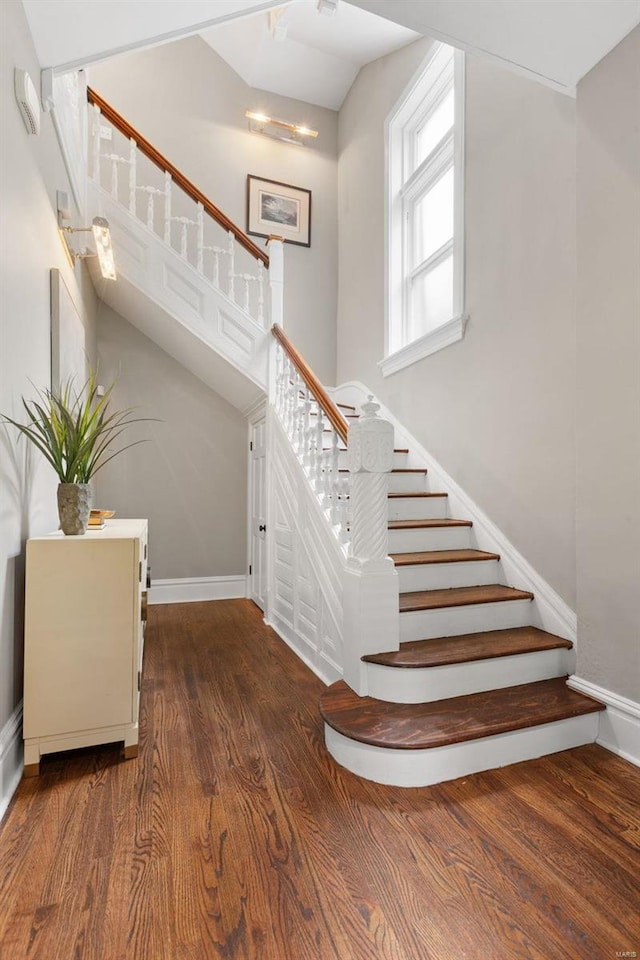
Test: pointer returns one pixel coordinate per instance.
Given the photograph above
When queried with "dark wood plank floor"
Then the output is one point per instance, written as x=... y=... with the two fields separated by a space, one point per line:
x=234 y=835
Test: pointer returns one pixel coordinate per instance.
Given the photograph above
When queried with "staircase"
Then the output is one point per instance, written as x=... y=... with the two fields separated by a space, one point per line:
x=474 y=685
x=437 y=666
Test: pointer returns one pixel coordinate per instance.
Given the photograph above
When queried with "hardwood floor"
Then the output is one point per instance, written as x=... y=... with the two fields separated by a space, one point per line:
x=234 y=835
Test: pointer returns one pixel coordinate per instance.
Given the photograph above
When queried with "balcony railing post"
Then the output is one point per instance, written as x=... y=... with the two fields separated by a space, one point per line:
x=276 y=279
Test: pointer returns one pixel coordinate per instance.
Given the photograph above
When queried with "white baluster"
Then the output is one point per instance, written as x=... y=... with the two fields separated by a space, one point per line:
x=216 y=268
x=343 y=500
x=183 y=238
x=326 y=477
x=167 y=208
x=319 y=443
x=132 y=176
x=200 y=239
x=307 y=435
x=335 y=477
x=150 y=210
x=247 y=279
x=231 y=252
x=96 y=130
x=114 y=175
x=300 y=437
x=261 y=292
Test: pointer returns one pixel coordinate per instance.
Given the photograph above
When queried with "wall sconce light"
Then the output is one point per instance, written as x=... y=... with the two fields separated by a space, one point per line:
x=104 y=251
x=280 y=129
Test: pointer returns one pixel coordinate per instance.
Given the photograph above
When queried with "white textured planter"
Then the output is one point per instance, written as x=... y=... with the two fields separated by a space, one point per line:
x=74 y=506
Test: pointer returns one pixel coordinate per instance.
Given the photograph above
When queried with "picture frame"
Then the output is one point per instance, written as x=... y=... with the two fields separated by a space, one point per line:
x=68 y=351
x=278 y=209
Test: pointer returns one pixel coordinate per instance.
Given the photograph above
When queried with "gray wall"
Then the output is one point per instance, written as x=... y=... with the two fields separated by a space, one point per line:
x=496 y=409
x=185 y=99
x=31 y=171
x=608 y=328
x=190 y=479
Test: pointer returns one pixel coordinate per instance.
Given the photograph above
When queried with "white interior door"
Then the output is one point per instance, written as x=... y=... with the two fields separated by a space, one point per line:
x=258 y=567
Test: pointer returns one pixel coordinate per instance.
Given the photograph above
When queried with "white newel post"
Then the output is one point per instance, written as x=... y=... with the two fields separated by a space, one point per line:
x=371 y=617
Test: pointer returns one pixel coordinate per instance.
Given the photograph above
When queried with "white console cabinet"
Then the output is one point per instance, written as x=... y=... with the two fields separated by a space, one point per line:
x=84 y=633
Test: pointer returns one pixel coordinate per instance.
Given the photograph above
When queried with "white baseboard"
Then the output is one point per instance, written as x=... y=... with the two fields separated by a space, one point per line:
x=11 y=758
x=191 y=589
x=619 y=729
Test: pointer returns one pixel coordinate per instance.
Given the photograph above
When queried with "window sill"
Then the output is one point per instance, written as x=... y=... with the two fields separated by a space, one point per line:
x=448 y=333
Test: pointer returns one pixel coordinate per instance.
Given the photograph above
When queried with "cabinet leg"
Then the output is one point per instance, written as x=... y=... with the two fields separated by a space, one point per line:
x=130 y=752
x=31 y=759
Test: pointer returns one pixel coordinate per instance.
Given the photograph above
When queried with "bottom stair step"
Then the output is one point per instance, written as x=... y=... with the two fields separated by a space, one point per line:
x=425 y=743
x=466 y=647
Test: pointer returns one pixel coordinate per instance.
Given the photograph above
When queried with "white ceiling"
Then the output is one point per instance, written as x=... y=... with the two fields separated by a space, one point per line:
x=72 y=33
x=557 y=41
x=320 y=57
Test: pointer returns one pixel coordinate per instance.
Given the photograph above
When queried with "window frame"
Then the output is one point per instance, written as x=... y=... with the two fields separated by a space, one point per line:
x=405 y=185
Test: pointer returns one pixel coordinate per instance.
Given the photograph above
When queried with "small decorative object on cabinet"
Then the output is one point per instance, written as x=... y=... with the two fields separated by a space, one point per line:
x=84 y=633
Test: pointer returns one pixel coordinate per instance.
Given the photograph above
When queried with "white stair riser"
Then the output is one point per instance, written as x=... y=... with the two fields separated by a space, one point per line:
x=422 y=768
x=417 y=508
x=443 y=576
x=426 y=684
x=399 y=460
x=407 y=482
x=433 y=538
x=476 y=617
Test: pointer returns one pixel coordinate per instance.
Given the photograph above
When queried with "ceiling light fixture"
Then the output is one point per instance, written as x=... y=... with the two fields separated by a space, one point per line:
x=281 y=129
x=104 y=250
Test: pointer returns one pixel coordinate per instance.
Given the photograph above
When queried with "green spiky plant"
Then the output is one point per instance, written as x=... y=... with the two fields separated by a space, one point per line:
x=75 y=431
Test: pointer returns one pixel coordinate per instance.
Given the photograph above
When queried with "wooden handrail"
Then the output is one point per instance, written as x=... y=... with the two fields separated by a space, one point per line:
x=160 y=161
x=329 y=408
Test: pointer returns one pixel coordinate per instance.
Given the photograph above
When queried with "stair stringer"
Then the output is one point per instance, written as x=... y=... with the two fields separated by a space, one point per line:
x=549 y=611
x=307 y=563
x=178 y=308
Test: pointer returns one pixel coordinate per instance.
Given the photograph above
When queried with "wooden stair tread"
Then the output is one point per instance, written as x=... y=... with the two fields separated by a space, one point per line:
x=441 y=556
x=460 y=597
x=395 y=449
x=442 y=651
x=400 y=469
x=419 y=726
x=435 y=522
x=409 y=496
x=345 y=406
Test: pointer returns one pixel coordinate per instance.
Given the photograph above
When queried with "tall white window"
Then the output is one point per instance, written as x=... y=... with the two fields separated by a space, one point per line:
x=425 y=309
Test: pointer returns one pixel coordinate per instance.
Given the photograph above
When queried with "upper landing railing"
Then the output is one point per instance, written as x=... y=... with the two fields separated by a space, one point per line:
x=163 y=198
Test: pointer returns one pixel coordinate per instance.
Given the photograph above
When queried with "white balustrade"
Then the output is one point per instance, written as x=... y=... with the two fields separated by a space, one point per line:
x=251 y=296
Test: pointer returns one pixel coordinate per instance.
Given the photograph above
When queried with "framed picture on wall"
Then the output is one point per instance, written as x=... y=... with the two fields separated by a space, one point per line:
x=278 y=209
x=68 y=351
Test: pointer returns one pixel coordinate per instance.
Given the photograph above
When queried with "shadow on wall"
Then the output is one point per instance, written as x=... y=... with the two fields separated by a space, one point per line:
x=18 y=469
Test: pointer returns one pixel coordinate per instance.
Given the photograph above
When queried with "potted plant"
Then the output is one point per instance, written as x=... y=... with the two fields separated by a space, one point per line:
x=75 y=433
